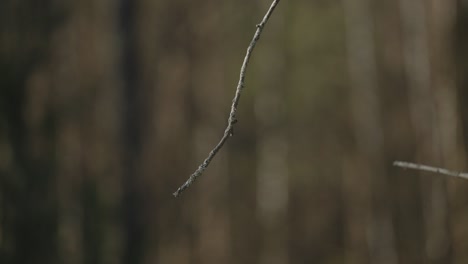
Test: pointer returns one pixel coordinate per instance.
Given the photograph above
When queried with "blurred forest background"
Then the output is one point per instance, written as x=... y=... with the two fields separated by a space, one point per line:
x=106 y=107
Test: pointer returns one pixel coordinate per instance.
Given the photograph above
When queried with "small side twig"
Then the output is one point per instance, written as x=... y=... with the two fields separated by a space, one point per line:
x=232 y=120
x=415 y=166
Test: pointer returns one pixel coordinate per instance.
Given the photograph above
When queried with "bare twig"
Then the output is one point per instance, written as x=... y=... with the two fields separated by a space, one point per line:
x=232 y=120
x=415 y=166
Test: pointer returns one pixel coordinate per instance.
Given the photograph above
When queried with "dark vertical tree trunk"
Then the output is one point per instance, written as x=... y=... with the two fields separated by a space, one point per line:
x=132 y=202
x=461 y=59
x=28 y=209
x=460 y=56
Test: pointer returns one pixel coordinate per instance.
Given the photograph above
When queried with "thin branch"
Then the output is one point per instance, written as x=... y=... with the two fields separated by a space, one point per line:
x=232 y=120
x=415 y=166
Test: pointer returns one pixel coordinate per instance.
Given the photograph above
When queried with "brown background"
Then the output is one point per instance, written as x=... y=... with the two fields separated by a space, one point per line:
x=106 y=107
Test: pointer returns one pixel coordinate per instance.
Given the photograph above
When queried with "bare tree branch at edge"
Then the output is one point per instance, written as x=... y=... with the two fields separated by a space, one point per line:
x=421 y=167
x=232 y=120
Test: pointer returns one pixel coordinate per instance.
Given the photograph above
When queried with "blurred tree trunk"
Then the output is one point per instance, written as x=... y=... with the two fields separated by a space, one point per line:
x=368 y=117
x=461 y=58
x=134 y=202
x=398 y=133
x=245 y=228
x=208 y=116
x=155 y=157
x=432 y=106
x=168 y=145
x=272 y=141
x=83 y=77
x=459 y=190
x=28 y=209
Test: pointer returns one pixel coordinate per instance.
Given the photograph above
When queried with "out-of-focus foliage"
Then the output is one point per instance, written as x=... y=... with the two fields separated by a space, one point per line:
x=106 y=107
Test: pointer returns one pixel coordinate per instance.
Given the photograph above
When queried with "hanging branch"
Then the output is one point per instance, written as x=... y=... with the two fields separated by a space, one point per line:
x=232 y=120
x=415 y=166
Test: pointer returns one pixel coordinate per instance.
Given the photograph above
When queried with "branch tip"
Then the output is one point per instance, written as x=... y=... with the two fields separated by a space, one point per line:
x=422 y=167
x=232 y=120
